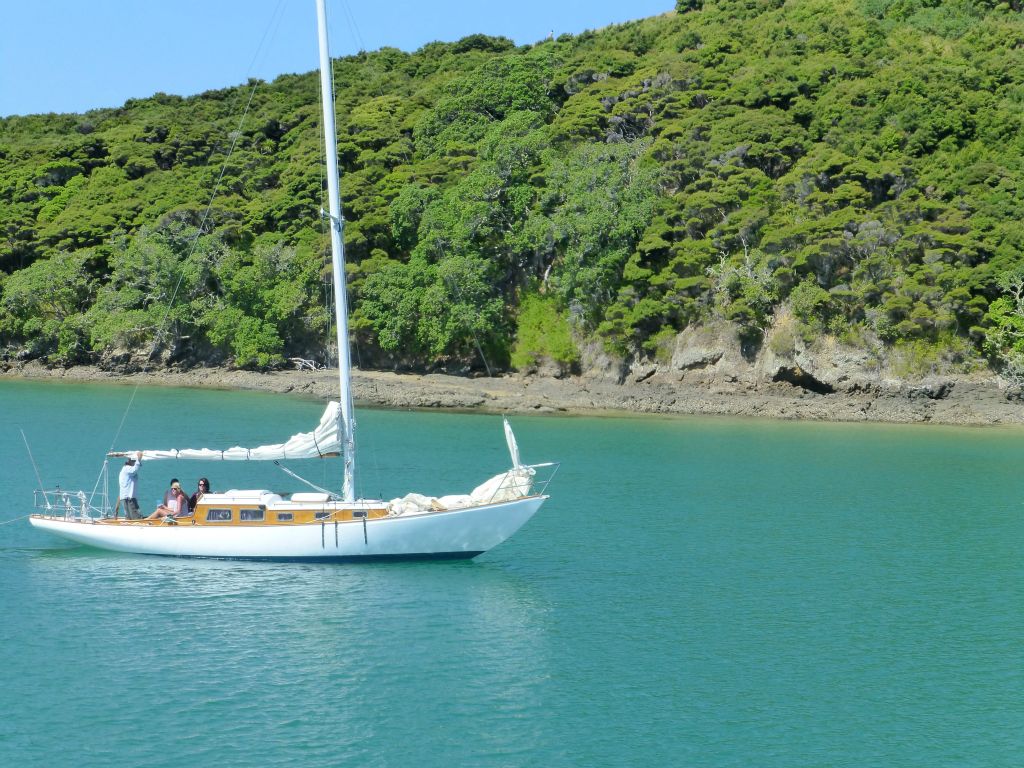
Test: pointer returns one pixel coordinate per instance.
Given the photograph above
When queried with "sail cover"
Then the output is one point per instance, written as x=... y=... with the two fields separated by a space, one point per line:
x=323 y=441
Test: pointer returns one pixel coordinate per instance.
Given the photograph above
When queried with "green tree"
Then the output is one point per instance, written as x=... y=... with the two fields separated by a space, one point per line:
x=41 y=306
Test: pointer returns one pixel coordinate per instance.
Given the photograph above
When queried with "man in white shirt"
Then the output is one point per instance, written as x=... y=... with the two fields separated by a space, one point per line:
x=127 y=482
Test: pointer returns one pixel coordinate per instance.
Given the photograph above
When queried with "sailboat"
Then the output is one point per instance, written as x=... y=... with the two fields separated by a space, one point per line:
x=319 y=525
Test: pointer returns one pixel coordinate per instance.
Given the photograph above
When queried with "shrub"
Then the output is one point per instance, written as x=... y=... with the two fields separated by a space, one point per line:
x=543 y=332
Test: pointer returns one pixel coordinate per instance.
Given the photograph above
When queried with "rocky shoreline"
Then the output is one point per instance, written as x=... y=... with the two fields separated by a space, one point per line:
x=672 y=389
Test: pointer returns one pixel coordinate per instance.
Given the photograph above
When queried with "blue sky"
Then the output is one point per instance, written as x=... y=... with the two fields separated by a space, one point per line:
x=75 y=55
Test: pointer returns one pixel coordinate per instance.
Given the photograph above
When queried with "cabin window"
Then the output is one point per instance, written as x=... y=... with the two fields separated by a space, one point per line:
x=251 y=515
x=285 y=517
x=323 y=515
x=218 y=515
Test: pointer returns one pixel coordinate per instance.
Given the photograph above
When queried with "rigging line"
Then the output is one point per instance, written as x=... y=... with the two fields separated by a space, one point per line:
x=334 y=108
x=378 y=89
x=351 y=427
x=328 y=292
x=301 y=479
x=100 y=478
x=341 y=206
x=272 y=26
x=8 y=522
x=32 y=459
x=476 y=339
x=162 y=328
x=351 y=19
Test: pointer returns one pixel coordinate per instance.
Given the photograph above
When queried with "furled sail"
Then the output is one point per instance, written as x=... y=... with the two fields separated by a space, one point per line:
x=324 y=441
x=513 y=446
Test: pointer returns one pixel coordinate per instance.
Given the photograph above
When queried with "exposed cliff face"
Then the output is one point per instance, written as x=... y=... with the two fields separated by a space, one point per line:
x=712 y=356
x=831 y=380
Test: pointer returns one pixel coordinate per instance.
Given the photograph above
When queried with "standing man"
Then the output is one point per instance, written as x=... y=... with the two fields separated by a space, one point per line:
x=127 y=482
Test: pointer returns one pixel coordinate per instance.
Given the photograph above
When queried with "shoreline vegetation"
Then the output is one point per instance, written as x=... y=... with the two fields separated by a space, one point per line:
x=797 y=173
x=768 y=209
x=962 y=400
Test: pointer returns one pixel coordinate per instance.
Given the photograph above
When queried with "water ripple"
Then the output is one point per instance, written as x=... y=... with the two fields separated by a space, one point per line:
x=711 y=593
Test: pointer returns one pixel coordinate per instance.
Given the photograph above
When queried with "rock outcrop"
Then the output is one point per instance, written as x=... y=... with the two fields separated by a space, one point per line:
x=707 y=373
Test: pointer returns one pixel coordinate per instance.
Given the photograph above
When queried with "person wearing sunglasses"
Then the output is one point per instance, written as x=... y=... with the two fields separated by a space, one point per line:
x=204 y=488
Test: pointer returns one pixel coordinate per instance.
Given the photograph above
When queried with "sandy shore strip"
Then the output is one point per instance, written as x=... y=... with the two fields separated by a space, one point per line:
x=952 y=401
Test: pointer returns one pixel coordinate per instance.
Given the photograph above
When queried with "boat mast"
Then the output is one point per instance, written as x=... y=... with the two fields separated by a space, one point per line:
x=347 y=427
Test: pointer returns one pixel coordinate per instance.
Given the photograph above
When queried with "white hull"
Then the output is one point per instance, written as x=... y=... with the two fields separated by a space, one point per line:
x=460 y=533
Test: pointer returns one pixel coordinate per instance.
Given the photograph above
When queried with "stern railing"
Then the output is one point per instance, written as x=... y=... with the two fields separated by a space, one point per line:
x=71 y=505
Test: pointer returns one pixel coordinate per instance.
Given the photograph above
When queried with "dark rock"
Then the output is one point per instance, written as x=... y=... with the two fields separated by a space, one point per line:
x=798 y=377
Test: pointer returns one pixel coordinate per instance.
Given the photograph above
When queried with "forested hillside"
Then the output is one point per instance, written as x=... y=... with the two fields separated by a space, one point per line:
x=842 y=168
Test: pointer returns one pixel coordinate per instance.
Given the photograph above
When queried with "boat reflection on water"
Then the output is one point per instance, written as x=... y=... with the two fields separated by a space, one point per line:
x=344 y=640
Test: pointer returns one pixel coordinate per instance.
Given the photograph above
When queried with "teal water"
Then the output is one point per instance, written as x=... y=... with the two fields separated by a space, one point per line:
x=697 y=592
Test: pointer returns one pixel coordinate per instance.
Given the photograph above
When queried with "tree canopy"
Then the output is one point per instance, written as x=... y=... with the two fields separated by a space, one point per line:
x=854 y=164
